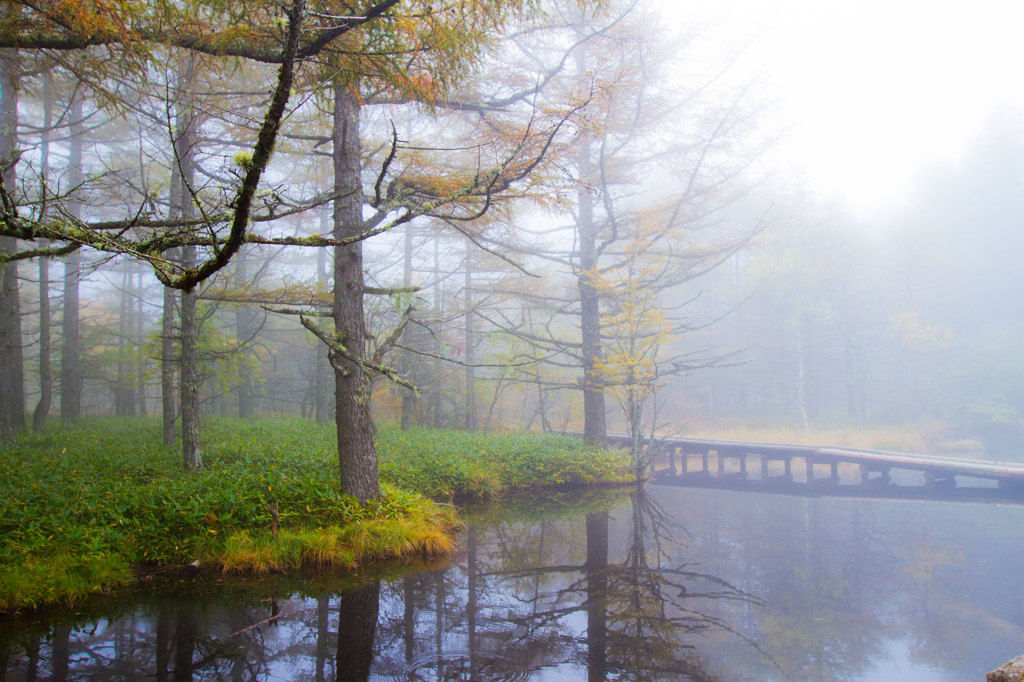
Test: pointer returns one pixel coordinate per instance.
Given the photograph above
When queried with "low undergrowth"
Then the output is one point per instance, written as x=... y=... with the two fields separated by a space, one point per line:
x=82 y=506
x=457 y=464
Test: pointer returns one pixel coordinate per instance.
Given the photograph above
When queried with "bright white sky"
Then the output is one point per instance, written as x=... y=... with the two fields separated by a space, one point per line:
x=872 y=91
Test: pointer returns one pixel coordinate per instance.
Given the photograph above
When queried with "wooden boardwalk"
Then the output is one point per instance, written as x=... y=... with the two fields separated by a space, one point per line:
x=809 y=469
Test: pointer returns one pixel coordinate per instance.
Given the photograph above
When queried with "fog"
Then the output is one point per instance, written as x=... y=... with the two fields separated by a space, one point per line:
x=791 y=216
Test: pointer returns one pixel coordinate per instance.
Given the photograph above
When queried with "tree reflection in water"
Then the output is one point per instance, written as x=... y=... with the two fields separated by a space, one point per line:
x=706 y=585
x=535 y=598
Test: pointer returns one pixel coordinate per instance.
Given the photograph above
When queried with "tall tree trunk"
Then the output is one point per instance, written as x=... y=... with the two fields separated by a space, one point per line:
x=184 y=144
x=70 y=361
x=140 y=341
x=42 y=409
x=124 y=394
x=190 y=376
x=12 y=394
x=45 y=374
x=436 y=389
x=408 y=397
x=594 y=427
x=168 y=361
x=70 y=351
x=169 y=333
x=324 y=377
x=357 y=455
x=469 y=357
x=594 y=419
x=244 y=315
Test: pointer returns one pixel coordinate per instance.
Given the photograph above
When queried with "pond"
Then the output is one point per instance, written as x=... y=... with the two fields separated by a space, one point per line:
x=665 y=583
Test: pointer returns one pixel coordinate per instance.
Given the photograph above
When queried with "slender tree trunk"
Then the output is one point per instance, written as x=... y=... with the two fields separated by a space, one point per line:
x=184 y=143
x=12 y=394
x=436 y=389
x=168 y=362
x=70 y=367
x=324 y=377
x=190 y=376
x=45 y=373
x=594 y=426
x=470 y=356
x=594 y=418
x=124 y=396
x=140 y=341
x=244 y=315
x=42 y=409
x=357 y=455
x=169 y=334
x=408 y=397
x=70 y=352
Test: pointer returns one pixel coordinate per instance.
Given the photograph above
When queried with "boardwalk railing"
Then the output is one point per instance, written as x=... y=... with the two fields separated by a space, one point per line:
x=823 y=470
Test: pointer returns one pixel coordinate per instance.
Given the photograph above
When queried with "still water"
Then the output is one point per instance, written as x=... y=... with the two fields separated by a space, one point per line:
x=667 y=583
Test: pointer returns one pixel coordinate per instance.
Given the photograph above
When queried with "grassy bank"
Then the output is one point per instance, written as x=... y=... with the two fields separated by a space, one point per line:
x=455 y=463
x=81 y=507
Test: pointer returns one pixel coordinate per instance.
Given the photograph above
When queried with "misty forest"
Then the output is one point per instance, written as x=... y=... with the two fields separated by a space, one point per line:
x=488 y=217
x=530 y=218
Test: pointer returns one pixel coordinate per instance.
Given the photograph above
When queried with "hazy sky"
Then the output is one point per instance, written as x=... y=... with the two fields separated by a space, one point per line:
x=873 y=91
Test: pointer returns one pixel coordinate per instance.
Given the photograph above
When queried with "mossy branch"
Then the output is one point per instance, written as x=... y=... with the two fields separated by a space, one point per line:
x=338 y=349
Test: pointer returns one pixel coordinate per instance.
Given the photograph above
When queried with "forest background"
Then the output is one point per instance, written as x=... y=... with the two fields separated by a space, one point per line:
x=483 y=216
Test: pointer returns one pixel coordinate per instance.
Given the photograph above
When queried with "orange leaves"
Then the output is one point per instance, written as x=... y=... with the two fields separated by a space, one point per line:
x=91 y=18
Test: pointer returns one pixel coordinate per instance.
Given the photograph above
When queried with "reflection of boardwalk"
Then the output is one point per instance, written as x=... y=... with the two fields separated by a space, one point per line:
x=818 y=470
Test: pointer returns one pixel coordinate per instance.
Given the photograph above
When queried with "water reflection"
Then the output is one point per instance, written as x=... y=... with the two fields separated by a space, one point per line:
x=664 y=584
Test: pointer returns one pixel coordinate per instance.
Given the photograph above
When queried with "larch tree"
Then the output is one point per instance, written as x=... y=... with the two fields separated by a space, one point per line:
x=142 y=235
x=382 y=51
x=651 y=169
x=12 y=397
x=436 y=50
